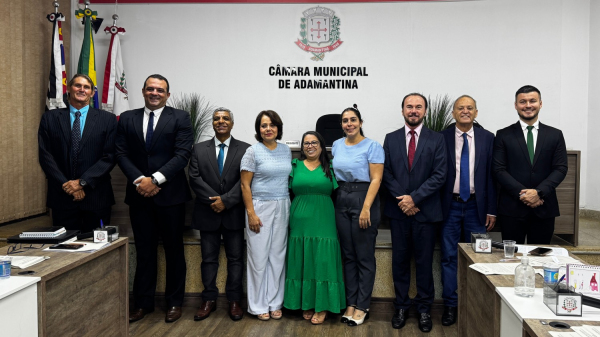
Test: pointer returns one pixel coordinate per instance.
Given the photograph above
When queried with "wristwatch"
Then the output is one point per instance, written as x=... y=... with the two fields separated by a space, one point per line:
x=154 y=181
x=82 y=183
x=540 y=194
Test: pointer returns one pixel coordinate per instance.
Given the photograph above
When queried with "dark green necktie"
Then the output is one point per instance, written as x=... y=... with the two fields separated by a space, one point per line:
x=530 y=143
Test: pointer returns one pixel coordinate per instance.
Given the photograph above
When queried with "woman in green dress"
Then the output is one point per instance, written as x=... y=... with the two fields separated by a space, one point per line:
x=314 y=279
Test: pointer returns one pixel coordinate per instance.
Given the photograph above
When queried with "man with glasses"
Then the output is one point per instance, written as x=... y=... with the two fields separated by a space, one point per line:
x=218 y=211
x=154 y=145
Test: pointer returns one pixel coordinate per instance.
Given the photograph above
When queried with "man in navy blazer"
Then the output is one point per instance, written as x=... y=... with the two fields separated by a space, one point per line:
x=468 y=196
x=77 y=153
x=154 y=145
x=414 y=171
x=530 y=161
x=219 y=211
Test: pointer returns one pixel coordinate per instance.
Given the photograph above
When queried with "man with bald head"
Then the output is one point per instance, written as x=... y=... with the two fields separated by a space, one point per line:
x=468 y=196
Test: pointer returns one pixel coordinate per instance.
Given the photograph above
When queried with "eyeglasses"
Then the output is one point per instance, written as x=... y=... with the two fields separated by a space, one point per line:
x=314 y=143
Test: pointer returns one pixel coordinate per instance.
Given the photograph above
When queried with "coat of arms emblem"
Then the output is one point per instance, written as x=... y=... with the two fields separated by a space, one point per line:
x=319 y=32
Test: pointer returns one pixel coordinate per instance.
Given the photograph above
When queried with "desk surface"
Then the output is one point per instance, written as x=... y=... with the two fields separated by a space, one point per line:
x=15 y=283
x=533 y=327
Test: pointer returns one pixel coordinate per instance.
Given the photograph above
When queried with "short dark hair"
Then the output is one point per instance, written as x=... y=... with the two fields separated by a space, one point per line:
x=89 y=79
x=415 y=94
x=354 y=109
x=275 y=119
x=527 y=89
x=158 y=77
x=323 y=158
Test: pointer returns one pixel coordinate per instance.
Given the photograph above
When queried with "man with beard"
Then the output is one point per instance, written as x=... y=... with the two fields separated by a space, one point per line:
x=414 y=172
x=529 y=162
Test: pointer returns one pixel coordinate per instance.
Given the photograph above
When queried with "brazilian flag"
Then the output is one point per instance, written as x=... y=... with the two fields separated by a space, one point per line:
x=87 y=59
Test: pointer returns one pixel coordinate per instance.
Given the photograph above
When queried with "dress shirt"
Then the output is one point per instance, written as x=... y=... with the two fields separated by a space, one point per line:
x=225 y=150
x=459 y=141
x=159 y=176
x=536 y=127
x=82 y=118
x=417 y=135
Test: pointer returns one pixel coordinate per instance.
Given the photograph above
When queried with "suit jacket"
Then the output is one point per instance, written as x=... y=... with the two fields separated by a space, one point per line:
x=95 y=160
x=206 y=182
x=513 y=169
x=169 y=154
x=485 y=190
x=423 y=182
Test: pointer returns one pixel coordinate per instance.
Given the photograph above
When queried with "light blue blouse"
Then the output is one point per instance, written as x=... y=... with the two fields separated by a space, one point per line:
x=351 y=162
x=271 y=170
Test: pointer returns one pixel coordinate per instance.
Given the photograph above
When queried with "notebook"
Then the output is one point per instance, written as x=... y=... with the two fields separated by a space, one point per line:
x=43 y=232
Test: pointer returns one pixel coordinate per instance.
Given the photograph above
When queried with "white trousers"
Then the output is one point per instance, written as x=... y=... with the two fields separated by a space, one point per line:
x=266 y=256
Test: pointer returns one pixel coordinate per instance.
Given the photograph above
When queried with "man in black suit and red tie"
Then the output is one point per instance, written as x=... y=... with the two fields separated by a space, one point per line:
x=219 y=211
x=530 y=161
x=154 y=145
x=77 y=153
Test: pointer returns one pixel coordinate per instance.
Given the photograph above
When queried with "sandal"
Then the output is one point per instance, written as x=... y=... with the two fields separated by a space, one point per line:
x=315 y=320
x=263 y=317
x=308 y=314
x=276 y=314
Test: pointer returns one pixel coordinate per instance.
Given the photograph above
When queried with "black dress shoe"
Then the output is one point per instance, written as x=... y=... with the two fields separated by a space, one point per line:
x=449 y=316
x=399 y=319
x=425 y=323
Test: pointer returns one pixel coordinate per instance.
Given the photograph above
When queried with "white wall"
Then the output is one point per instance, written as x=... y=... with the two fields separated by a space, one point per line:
x=487 y=49
x=592 y=178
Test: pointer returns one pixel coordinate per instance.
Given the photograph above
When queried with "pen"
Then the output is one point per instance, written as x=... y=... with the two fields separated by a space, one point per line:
x=558 y=283
x=101 y=224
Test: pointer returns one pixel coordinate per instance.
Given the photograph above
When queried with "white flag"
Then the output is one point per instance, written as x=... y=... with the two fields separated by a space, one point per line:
x=114 y=91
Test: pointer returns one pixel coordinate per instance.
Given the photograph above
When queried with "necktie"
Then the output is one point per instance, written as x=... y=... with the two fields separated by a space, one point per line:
x=464 y=183
x=221 y=157
x=411 y=149
x=150 y=131
x=75 y=142
x=530 y=143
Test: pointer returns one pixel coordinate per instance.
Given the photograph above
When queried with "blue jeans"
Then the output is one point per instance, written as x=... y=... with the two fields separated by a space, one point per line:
x=463 y=217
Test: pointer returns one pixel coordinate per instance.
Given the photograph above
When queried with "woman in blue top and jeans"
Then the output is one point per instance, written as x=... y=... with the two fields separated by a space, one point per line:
x=358 y=166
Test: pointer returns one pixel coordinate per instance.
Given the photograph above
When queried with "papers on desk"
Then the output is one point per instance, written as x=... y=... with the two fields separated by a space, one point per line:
x=580 y=331
x=88 y=247
x=495 y=268
x=562 y=261
x=23 y=262
x=556 y=251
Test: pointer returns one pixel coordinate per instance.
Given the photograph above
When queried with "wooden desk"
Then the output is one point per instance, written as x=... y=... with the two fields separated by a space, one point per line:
x=478 y=303
x=533 y=327
x=82 y=294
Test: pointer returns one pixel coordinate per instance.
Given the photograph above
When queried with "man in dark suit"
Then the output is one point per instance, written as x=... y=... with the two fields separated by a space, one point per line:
x=77 y=153
x=414 y=171
x=154 y=145
x=215 y=179
x=468 y=196
x=530 y=161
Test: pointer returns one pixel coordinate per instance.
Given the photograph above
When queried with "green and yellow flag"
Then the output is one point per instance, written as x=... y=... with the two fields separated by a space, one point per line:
x=87 y=59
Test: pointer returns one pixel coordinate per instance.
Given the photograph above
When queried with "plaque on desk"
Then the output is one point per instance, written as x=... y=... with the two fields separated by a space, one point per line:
x=481 y=243
x=66 y=236
x=561 y=301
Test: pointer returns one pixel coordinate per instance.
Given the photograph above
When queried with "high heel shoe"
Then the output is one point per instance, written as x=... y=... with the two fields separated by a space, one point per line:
x=316 y=322
x=345 y=319
x=353 y=322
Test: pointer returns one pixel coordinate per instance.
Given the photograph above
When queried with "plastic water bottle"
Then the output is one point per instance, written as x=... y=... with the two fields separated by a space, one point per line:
x=524 y=278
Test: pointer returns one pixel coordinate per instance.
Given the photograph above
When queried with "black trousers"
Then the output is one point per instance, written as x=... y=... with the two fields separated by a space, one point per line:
x=357 y=245
x=413 y=238
x=537 y=230
x=149 y=221
x=82 y=220
x=234 y=248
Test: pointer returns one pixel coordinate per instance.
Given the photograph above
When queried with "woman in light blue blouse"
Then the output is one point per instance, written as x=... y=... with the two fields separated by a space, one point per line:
x=265 y=170
x=358 y=167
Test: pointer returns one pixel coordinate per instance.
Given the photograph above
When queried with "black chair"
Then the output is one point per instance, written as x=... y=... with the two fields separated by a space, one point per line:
x=330 y=128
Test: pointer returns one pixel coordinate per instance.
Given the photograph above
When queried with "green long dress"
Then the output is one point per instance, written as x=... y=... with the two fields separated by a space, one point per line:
x=314 y=278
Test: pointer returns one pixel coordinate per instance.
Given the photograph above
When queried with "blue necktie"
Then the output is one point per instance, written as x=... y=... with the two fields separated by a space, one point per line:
x=149 y=131
x=221 y=157
x=465 y=189
x=75 y=142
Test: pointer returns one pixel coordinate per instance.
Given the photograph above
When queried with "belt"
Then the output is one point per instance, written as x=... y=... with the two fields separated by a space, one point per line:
x=456 y=197
x=353 y=187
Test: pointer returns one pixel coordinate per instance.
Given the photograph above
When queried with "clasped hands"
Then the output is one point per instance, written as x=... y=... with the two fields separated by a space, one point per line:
x=407 y=205
x=73 y=188
x=146 y=188
x=530 y=198
x=218 y=206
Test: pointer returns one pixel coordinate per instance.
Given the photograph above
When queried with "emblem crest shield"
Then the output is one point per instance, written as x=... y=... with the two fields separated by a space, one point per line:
x=318 y=29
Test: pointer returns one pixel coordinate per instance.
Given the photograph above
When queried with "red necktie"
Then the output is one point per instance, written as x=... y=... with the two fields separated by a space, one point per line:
x=411 y=149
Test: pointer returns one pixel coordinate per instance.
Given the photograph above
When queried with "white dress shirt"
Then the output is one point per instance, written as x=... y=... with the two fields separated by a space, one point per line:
x=225 y=150
x=534 y=131
x=459 y=141
x=417 y=135
x=157 y=175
